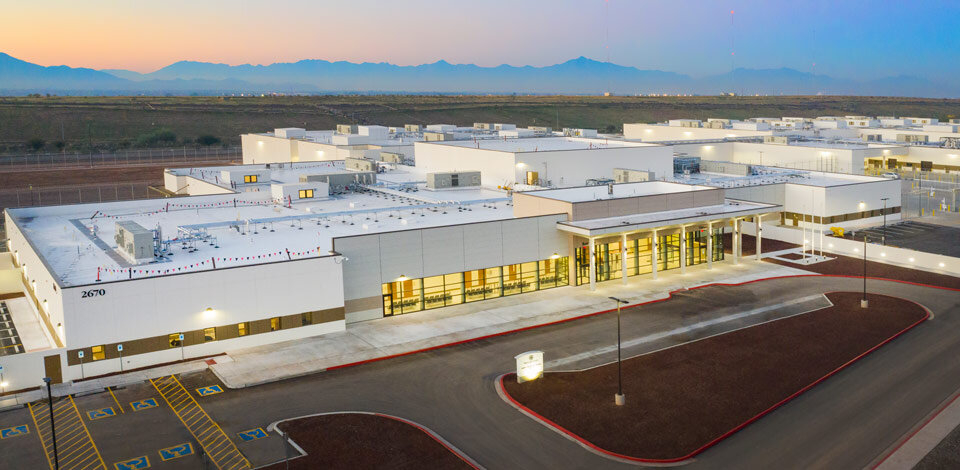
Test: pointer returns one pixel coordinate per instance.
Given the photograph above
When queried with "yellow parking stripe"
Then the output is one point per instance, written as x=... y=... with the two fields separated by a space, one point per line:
x=75 y=446
x=109 y=389
x=217 y=445
x=42 y=443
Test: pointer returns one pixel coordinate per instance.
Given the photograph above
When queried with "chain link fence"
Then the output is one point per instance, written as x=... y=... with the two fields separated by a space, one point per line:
x=183 y=155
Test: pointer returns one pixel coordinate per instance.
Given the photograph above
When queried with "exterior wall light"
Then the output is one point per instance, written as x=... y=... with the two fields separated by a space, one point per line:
x=403 y=278
x=555 y=256
x=209 y=312
x=862 y=205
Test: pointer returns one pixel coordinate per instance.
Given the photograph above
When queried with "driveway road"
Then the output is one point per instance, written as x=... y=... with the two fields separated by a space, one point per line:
x=845 y=422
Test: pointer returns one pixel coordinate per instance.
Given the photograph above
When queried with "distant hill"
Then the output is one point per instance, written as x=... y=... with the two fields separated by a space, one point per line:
x=576 y=76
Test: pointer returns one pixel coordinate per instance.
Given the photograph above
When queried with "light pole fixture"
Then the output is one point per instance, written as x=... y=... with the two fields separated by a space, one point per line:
x=53 y=430
x=883 y=241
x=863 y=301
x=619 y=398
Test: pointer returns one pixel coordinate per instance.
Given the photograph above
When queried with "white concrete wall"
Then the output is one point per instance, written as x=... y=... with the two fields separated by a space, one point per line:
x=655 y=133
x=800 y=157
x=573 y=167
x=23 y=371
x=315 y=152
x=496 y=168
x=875 y=252
x=721 y=151
x=280 y=192
x=258 y=148
x=378 y=258
x=142 y=308
x=39 y=278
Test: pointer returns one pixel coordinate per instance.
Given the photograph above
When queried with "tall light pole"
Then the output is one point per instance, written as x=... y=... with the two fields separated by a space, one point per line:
x=863 y=301
x=53 y=430
x=619 y=399
x=883 y=241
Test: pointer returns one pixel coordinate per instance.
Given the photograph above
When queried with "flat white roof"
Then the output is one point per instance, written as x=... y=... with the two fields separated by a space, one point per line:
x=773 y=175
x=729 y=208
x=543 y=144
x=77 y=241
x=621 y=190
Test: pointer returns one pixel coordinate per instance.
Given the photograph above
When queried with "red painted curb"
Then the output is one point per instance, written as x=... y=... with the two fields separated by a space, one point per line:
x=587 y=315
x=728 y=433
x=432 y=436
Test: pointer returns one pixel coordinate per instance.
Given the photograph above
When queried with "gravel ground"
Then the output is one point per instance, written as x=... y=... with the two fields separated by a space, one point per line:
x=363 y=441
x=680 y=399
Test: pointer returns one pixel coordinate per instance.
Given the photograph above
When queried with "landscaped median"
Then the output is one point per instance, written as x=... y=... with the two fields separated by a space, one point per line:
x=367 y=440
x=683 y=399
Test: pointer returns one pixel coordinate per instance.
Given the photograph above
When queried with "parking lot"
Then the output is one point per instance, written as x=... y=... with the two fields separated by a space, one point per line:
x=920 y=236
x=106 y=429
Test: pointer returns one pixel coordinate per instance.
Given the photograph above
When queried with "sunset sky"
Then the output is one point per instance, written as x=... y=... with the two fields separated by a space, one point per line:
x=848 y=38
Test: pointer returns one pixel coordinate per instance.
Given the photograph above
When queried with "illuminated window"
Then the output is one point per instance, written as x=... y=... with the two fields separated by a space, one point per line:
x=243 y=329
x=174 y=340
x=274 y=323
x=209 y=334
x=306 y=193
x=96 y=353
x=250 y=178
x=306 y=319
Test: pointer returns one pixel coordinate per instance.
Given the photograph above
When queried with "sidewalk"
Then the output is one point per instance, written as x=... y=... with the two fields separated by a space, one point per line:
x=924 y=439
x=376 y=339
x=403 y=334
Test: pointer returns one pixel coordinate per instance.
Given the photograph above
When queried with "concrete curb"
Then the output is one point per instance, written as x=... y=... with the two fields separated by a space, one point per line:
x=229 y=384
x=687 y=458
x=436 y=437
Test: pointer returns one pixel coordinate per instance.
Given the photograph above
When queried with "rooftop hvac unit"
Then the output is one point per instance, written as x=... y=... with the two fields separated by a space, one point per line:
x=133 y=241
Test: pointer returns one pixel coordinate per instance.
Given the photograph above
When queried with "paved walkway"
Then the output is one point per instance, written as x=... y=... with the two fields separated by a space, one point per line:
x=924 y=439
x=375 y=339
x=413 y=332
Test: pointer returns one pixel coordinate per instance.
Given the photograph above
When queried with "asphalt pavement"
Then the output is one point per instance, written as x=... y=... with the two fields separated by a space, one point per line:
x=845 y=422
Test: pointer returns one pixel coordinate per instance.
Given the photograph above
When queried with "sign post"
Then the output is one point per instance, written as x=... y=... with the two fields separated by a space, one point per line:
x=80 y=355
x=120 y=351
x=180 y=338
x=529 y=366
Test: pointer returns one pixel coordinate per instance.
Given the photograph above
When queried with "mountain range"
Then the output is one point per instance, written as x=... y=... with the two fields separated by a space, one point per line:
x=576 y=76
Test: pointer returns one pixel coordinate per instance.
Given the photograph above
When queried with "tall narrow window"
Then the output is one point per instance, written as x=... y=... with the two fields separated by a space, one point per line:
x=209 y=334
x=243 y=329
x=174 y=340
x=96 y=353
x=306 y=319
x=274 y=323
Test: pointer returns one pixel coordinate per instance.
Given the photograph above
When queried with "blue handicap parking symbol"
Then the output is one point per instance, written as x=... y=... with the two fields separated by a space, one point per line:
x=101 y=413
x=133 y=464
x=143 y=404
x=181 y=450
x=14 y=431
x=213 y=389
x=252 y=434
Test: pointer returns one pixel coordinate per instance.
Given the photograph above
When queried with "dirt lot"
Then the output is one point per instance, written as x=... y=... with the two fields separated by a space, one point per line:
x=362 y=441
x=847 y=266
x=680 y=399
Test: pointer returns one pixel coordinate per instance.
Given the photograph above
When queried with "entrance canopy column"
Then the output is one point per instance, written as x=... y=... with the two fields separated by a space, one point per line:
x=734 y=239
x=683 y=249
x=593 y=265
x=623 y=257
x=759 y=230
x=653 y=254
x=709 y=245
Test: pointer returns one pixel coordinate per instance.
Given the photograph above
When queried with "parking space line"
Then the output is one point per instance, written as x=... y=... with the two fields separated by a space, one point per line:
x=110 y=389
x=208 y=434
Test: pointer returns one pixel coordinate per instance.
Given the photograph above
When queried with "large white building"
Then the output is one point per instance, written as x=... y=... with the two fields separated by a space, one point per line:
x=260 y=253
